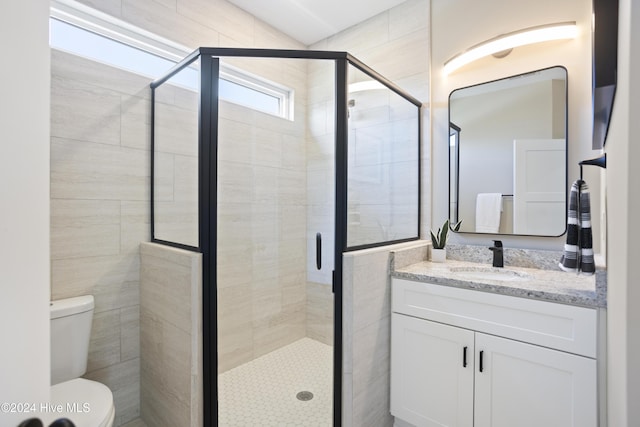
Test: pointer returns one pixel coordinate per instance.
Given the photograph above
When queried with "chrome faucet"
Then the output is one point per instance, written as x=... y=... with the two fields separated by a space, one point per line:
x=498 y=259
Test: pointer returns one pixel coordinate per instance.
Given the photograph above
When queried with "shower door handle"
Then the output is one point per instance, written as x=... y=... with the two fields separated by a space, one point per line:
x=318 y=251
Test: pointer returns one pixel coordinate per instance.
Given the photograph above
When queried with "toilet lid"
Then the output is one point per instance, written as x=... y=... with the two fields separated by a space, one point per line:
x=86 y=403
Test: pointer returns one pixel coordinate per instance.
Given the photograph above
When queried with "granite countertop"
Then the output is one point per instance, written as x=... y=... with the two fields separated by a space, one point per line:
x=548 y=285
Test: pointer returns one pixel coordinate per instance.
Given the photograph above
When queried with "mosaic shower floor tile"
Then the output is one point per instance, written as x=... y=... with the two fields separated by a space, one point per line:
x=268 y=390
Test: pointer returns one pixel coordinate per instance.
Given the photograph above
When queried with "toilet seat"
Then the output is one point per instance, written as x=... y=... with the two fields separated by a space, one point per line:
x=93 y=403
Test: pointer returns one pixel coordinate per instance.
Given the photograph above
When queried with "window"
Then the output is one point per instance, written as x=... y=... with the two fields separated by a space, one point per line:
x=77 y=29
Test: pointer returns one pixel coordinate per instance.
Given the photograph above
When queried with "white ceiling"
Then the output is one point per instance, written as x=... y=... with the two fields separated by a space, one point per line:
x=309 y=21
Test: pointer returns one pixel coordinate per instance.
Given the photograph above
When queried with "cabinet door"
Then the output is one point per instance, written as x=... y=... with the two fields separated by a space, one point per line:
x=430 y=386
x=526 y=385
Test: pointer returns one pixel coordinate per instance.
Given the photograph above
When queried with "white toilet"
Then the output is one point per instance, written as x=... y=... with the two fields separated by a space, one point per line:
x=86 y=403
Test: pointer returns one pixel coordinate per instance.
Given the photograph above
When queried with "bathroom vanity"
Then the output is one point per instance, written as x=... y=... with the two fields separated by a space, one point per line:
x=472 y=345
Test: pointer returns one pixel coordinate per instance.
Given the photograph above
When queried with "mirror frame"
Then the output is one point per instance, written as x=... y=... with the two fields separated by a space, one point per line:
x=457 y=172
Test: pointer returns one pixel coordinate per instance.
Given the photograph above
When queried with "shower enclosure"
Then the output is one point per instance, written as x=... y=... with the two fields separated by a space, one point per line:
x=272 y=164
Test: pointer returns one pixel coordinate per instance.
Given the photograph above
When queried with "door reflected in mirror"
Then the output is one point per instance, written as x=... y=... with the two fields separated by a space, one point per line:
x=508 y=155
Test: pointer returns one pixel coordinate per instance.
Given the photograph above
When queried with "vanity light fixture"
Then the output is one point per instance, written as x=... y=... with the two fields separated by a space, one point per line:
x=505 y=42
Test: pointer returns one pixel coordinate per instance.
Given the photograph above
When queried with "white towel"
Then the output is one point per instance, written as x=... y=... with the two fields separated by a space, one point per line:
x=488 y=208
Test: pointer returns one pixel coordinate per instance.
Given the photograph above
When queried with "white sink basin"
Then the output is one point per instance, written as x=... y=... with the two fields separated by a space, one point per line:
x=488 y=273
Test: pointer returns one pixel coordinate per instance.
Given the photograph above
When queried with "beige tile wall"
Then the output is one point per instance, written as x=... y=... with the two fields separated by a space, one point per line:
x=176 y=164
x=367 y=335
x=99 y=212
x=170 y=336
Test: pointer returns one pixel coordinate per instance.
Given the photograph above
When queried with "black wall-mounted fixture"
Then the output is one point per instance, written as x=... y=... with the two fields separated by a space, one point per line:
x=605 y=67
x=599 y=161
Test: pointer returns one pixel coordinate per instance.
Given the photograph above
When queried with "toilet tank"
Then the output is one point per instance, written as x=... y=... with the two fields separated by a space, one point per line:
x=70 y=332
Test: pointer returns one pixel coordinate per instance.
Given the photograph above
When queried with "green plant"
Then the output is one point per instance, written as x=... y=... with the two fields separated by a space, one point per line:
x=439 y=239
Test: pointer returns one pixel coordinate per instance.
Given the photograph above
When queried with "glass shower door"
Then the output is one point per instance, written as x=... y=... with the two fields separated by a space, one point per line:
x=275 y=227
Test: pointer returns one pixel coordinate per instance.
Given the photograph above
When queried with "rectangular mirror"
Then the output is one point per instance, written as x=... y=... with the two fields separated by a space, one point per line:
x=508 y=155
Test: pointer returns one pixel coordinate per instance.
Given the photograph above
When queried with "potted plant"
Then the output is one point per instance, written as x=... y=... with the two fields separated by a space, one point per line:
x=439 y=241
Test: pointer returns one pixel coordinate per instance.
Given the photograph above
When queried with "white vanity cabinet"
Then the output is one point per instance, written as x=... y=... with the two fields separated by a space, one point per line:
x=430 y=386
x=461 y=357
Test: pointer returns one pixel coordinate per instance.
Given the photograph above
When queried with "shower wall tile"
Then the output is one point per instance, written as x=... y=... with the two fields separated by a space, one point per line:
x=292 y=186
x=166 y=22
x=170 y=289
x=370 y=362
x=404 y=61
x=176 y=222
x=221 y=16
x=135 y=226
x=265 y=145
x=159 y=408
x=266 y=36
x=110 y=7
x=176 y=129
x=230 y=130
x=230 y=272
x=130 y=333
x=278 y=330
x=238 y=344
x=186 y=99
x=104 y=347
x=366 y=332
x=81 y=170
x=293 y=152
x=135 y=125
x=293 y=295
x=292 y=256
x=75 y=228
x=235 y=325
x=407 y=18
x=368 y=409
x=371 y=304
x=170 y=334
x=186 y=181
x=77 y=70
x=112 y=280
x=164 y=185
x=98 y=121
x=320 y=312
x=366 y=35
x=235 y=182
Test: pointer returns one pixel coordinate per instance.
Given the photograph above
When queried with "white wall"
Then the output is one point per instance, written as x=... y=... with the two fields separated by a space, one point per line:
x=453 y=32
x=623 y=210
x=24 y=212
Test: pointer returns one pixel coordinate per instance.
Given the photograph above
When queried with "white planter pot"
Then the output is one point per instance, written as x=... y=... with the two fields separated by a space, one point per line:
x=438 y=255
